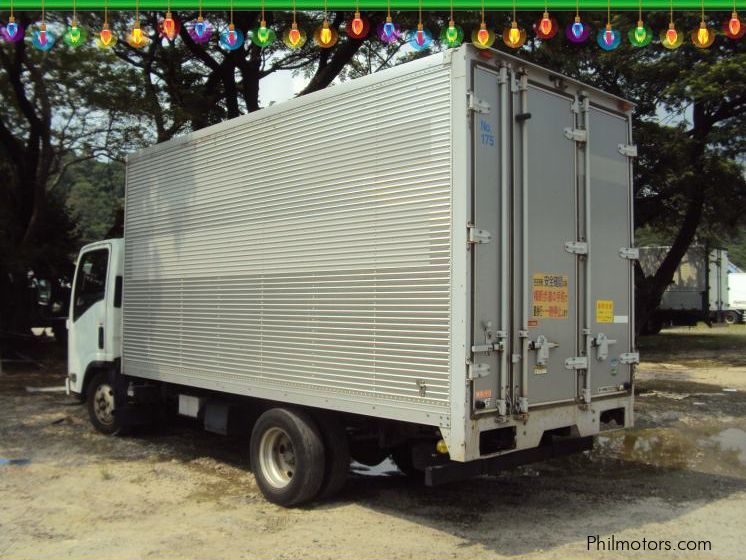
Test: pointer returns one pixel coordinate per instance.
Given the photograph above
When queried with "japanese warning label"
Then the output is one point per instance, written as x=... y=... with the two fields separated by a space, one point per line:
x=549 y=296
x=604 y=311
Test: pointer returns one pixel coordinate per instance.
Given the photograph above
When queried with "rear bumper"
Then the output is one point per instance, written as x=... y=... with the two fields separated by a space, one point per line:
x=454 y=471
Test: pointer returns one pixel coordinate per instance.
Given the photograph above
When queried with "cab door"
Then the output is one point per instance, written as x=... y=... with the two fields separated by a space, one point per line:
x=88 y=310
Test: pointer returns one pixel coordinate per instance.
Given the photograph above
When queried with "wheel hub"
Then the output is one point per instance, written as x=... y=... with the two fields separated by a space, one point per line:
x=277 y=457
x=103 y=404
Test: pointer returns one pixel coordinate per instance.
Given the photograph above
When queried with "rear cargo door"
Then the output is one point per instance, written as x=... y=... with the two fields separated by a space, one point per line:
x=544 y=332
x=611 y=272
x=488 y=234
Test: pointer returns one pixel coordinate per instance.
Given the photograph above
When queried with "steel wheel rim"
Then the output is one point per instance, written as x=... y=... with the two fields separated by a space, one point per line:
x=277 y=457
x=103 y=404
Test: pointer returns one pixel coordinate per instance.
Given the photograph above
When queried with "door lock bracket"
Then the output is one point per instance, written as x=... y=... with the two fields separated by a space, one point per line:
x=542 y=347
x=476 y=105
x=477 y=371
x=576 y=134
x=629 y=358
x=477 y=235
x=578 y=362
x=631 y=253
x=577 y=247
x=602 y=342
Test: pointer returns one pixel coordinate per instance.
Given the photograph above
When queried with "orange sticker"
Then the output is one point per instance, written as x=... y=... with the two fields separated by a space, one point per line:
x=484 y=394
x=550 y=295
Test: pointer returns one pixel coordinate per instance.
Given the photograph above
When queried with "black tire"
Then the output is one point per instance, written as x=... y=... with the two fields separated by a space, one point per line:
x=731 y=318
x=337 y=463
x=287 y=456
x=100 y=403
x=368 y=453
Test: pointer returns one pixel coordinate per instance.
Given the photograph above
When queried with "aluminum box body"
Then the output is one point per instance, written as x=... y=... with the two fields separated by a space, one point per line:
x=395 y=246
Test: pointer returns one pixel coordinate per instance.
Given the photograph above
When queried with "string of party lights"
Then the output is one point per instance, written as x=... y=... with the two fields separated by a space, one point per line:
x=358 y=27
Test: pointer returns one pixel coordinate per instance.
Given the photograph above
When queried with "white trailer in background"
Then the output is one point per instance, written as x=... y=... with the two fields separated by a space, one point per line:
x=737 y=294
x=433 y=262
x=699 y=290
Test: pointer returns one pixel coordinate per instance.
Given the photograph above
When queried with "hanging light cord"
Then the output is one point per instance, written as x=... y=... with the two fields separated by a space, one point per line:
x=640 y=14
x=577 y=8
x=482 y=11
x=419 y=8
x=294 y=12
x=671 y=10
x=388 y=9
x=608 y=12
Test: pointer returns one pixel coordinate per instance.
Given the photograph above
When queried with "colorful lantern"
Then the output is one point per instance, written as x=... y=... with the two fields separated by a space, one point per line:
x=608 y=38
x=106 y=39
x=169 y=27
x=294 y=38
x=13 y=31
x=734 y=27
x=357 y=27
x=263 y=36
x=75 y=35
x=483 y=38
x=453 y=35
x=577 y=32
x=419 y=39
x=231 y=38
x=388 y=32
x=136 y=38
x=641 y=35
x=546 y=27
x=514 y=36
x=200 y=30
x=41 y=38
x=703 y=37
x=324 y=36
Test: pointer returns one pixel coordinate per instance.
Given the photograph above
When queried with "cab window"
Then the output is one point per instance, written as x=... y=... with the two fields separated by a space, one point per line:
x=90 y=283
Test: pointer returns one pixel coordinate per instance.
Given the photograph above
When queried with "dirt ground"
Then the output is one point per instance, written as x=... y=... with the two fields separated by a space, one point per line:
x=679 y=475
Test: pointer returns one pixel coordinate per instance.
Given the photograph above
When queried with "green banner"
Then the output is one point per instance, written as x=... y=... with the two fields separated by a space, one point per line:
x=427 y=5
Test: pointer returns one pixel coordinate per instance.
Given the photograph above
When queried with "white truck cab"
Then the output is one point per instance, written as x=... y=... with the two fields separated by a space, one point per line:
x=95 y=322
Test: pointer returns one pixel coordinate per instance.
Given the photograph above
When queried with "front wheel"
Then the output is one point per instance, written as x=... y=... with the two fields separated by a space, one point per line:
x=287 y=456
x=100 y=403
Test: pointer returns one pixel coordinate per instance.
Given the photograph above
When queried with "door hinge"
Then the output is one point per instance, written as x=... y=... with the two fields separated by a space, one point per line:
x=631 y=253
x=477 y=235
x=578 y=362
x=576 y=134
x=577 y=247
x=629 y=150
x=478 y=370
x=496 y=347
x=475 y=104
x=629 y=358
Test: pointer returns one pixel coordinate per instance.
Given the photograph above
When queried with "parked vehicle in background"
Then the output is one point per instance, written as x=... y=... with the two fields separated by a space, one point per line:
x=433 y=262
x=699 y=290
x=737 y=294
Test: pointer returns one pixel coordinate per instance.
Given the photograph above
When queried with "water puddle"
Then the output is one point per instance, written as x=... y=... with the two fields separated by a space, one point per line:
x=702 y=449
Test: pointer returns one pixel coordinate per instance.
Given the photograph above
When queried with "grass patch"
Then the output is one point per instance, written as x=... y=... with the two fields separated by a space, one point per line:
x=699 y=346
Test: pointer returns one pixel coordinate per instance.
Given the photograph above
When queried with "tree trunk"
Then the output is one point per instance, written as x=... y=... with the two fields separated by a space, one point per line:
x=650 y=290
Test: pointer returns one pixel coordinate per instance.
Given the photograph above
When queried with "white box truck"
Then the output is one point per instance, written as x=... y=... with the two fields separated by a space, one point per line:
x=699 y=290
x=432 y=263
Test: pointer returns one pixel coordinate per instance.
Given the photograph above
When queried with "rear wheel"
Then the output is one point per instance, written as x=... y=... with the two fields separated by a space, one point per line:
x=101 y=405
x=287 y=456
x=337 y=449
x=731 y=317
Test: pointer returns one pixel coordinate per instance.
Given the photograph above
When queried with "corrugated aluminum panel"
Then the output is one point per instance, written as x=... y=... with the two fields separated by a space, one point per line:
x=304 y=247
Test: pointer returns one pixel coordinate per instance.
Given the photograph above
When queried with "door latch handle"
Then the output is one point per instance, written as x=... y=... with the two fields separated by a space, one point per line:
x=542 y=347
x=100 y=337
x=602 y=342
